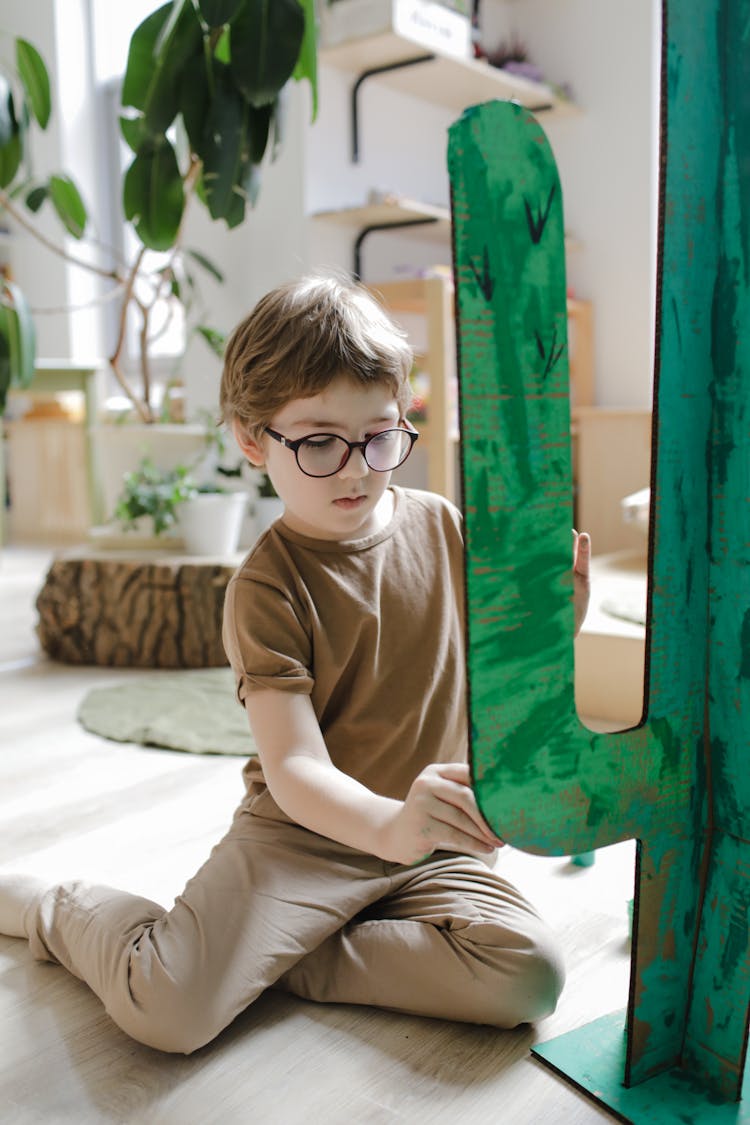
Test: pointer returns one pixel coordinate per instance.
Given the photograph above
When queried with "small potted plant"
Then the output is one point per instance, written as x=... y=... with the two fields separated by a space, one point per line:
x=204 y=517
x=151 y=497
x=210 y=519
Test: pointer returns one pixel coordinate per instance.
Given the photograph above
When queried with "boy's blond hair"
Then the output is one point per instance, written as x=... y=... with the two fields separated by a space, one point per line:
x=298 y=338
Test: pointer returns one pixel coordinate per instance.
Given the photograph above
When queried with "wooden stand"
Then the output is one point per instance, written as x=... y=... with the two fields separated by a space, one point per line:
x=144 y=610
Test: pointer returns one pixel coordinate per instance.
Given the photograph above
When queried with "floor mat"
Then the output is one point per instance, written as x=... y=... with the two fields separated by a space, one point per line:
x=196 y=711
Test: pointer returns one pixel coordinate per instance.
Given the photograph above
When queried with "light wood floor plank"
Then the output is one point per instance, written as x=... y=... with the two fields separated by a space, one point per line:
x=74 y=805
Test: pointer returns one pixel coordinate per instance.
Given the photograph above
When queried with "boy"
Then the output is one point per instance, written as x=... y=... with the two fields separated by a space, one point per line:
x=358 y=867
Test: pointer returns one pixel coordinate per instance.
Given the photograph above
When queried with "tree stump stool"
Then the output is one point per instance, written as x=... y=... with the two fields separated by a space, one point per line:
x=135 y=610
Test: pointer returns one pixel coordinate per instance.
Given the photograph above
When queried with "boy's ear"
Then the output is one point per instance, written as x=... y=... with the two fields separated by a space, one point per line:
x=249 y=446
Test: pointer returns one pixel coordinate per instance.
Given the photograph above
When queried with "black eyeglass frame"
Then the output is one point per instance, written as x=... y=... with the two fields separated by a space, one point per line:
x=411 y=433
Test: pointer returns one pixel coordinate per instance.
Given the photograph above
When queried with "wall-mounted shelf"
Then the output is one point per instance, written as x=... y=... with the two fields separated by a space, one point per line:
x=389 y=214
x=396 y=212
x=454 y=83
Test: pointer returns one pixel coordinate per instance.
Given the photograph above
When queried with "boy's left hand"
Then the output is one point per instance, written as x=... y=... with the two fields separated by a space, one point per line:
x=581 y=576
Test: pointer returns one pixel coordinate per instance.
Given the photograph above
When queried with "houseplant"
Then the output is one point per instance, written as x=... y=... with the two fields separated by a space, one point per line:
x=211 y=71
x=206 y=517
x=153 y=494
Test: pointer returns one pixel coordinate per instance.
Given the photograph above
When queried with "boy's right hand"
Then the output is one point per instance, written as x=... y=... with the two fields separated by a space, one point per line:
x=440 y=813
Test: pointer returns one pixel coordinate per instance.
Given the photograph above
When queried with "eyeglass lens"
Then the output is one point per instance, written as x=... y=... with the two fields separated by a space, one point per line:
x=321 y=455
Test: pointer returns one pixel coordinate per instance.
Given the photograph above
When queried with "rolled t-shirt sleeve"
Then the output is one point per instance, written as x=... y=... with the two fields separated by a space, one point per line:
x=266 y=643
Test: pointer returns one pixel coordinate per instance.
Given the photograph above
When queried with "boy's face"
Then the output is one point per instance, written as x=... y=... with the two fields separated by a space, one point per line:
x=351 y=503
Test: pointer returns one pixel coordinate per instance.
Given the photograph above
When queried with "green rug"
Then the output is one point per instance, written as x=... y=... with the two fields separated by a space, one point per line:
x=196 y=711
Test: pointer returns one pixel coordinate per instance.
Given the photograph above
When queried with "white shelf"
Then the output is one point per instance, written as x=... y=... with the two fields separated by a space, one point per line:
x=425 y=220
x=390 y=212
x=397 y=211
x=454 y=83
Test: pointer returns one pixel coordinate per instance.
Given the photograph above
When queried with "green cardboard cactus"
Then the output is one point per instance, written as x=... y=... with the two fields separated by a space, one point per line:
x=678 y=782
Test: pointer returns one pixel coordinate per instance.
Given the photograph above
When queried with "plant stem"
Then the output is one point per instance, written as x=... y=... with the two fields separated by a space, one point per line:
x=143 y=408
x=8 y=205
x=94 y=303
x=145 y=365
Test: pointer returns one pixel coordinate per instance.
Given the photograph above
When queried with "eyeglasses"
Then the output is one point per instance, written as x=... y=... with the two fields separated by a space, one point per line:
x=324 y=455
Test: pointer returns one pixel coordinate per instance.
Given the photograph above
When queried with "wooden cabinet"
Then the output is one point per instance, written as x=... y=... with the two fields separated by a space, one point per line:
x=612 y=460
x=431 y=299
x=52 y=482
x=47 y=481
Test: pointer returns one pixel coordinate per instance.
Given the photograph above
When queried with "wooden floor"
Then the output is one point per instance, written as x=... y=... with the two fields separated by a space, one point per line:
x=72 y=804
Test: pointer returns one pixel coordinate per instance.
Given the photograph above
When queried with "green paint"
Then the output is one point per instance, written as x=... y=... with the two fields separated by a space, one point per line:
x=594 y=1057
x=677 y=783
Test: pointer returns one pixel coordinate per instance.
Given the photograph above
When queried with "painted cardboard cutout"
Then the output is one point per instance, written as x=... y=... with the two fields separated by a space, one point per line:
x=680 y=782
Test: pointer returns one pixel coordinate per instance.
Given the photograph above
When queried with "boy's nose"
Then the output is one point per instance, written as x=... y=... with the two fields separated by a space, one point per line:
x=356 y=466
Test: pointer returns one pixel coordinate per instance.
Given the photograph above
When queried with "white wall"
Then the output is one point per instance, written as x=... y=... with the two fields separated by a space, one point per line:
x=605 y=153
x=402 y=149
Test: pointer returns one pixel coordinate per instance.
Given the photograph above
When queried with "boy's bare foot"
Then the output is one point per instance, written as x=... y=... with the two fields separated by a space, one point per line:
x=17 y=893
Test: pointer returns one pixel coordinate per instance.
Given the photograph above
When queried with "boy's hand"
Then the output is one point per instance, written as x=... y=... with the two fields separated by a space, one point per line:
x=581 y=578
x=439 y=814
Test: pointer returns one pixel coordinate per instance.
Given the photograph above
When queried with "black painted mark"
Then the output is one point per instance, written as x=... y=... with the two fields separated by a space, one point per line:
x=552 y=357
x=538 y=223
x=485 y=281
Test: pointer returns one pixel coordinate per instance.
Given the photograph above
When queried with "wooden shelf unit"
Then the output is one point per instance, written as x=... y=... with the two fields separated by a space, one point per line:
x=432 y=298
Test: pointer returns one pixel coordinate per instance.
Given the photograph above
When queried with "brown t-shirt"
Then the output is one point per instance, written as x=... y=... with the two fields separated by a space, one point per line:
x=372 y=629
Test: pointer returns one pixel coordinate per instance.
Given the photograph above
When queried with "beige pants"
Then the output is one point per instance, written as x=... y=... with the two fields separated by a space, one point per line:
x=276 y=905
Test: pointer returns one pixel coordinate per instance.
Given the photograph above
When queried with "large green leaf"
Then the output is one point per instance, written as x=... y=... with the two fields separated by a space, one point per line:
x=193 y=100
x=153 y=196
x=224 y=149
x=259 y=124
x=218 y=12
x=134 y=132
x=66 y=200
x=245 y=190
x=35 y=80
x=222 y=49
x=307 y=63
x=4 y=367
x=160 y=48
x=8 y=123
x=17 y=340
x=266 y=38
x=10 y=160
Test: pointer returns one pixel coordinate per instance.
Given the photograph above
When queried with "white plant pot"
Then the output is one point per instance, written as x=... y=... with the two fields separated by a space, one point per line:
x=210 y=522
x=118 y=449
